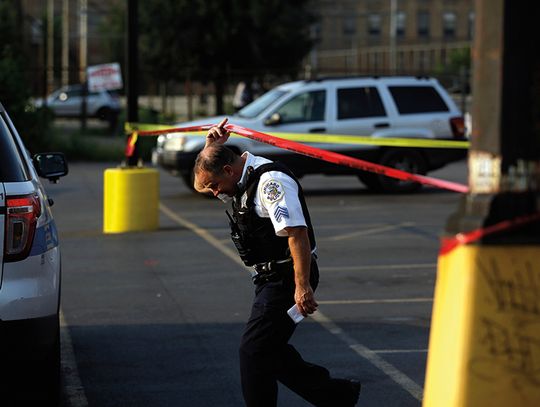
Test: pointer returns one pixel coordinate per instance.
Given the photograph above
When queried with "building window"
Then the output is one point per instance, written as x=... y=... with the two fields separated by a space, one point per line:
x=449 y=25
x=400 y=24
x=316 y=31
x=423 y=24
x=349 y=25
x=374 y=24
x=470 y=28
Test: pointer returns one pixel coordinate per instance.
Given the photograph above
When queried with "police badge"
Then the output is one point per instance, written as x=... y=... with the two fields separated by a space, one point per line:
x=272 y=191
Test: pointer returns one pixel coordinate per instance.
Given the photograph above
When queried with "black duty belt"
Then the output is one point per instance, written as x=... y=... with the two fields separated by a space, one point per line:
x=271 y=270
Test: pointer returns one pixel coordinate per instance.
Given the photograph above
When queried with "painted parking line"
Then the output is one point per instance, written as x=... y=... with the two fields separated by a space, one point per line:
x=381 y=267
x=368 y=232
x=390 y=370
x=398 y=351
x=404 y=381
x=73 y=391
x=376 y=301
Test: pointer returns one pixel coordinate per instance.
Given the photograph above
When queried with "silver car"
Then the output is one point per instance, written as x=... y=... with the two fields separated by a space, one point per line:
x=29 y=273
x=67 y=102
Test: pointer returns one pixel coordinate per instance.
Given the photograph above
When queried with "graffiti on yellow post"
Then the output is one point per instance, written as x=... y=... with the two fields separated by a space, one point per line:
x=506 y=346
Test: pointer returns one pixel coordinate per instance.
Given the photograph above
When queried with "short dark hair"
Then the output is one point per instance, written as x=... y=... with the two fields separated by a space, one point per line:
x=213 y=158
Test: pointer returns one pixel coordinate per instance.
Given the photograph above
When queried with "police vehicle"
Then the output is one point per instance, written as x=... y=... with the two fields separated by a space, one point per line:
x=379 y=107
x=29 y=269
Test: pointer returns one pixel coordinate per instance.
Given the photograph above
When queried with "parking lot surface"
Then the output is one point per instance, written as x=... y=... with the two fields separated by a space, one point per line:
x=155 y=318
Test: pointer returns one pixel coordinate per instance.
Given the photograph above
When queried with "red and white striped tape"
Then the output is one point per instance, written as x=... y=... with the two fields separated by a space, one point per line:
x=310 y=151
x=447 y=244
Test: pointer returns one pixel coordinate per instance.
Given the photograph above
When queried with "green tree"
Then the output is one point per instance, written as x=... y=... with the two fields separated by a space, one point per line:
x=14 y=86
x=209 y=39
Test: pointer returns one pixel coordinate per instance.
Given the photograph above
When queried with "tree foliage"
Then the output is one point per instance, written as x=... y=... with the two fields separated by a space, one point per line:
x=14 y=87
x=215 y=39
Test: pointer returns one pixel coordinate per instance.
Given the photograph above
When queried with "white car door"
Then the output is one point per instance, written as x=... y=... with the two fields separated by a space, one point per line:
x=68 y=103
x=359 y=111
x=304 y=112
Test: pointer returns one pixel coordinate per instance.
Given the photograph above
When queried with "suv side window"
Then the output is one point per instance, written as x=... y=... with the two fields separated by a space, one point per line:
x=305 y=107
x=417 y=99
x=74 y=93
x=356 y=103
x=11 y=166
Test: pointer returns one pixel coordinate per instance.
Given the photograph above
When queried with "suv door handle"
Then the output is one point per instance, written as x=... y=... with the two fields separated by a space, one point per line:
x=381 y=125
x=318 y=130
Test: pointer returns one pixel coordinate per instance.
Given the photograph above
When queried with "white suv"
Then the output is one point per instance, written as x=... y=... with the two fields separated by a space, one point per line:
x=29 y=273
x=404 y=107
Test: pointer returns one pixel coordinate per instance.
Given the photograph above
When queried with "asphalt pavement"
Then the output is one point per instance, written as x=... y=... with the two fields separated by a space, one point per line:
x=155 y=318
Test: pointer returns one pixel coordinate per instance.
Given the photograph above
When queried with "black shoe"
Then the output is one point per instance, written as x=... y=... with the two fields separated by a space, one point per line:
x=355 y=386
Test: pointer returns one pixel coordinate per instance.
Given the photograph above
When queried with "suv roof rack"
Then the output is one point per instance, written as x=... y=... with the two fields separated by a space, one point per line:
x=329 y=78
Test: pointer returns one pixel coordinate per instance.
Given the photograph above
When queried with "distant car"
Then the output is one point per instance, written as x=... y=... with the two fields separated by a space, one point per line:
x=380 y=107
x=29 y=270
x=68 y=101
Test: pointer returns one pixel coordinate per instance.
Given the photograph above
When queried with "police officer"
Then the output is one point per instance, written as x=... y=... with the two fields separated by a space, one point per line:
x=271 y=228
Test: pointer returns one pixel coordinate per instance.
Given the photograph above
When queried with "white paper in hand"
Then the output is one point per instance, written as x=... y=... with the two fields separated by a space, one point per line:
x=295 y=315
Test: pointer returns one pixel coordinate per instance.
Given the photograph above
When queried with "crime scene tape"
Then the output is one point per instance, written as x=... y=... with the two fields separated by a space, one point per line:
x=307 y=150
x=325 y=138
x=450 y=243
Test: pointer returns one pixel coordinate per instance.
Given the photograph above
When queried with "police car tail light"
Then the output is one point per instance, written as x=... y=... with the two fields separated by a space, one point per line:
x=458 y=127
x=22 y=214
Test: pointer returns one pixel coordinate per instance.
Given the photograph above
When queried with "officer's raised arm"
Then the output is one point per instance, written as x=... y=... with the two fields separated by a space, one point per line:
x=218 y=134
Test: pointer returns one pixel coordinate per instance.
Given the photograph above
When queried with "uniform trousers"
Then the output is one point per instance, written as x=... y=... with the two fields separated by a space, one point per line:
x=266 y=357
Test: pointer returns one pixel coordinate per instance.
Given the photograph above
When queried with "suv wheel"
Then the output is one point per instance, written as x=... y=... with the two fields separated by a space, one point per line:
x=104 y=113
x=405 y=160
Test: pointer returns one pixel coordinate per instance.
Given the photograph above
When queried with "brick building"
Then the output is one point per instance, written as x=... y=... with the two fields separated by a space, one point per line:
x=354 y=36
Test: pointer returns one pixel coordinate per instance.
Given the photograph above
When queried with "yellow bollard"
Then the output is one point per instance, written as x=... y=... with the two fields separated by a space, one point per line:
x=484 y=345
x=131 y=199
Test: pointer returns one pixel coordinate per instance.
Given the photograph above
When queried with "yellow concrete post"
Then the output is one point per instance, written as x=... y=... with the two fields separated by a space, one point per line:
x=485 y=335
x=130 y=200
x=484 y=348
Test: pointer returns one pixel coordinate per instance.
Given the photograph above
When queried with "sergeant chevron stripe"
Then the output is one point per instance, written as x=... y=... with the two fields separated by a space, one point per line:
x=281 y=212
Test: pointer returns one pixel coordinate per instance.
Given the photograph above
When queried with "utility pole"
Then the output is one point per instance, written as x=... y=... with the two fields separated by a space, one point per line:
x=485 y=335
x=83 y=39
x=83 y=52
x=50 y=46
x=393 y=29
x=132 y=70
x=65 y=43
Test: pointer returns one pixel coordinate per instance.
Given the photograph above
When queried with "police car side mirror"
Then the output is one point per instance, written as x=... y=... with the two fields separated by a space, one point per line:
x=51 y=165
x=273 y=120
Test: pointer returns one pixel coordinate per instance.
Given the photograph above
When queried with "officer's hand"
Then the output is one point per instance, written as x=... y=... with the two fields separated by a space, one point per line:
x=218 y=134
x=305 y=300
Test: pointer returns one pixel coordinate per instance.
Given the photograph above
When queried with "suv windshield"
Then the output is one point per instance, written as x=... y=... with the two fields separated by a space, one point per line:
x=256 y=107
x=11 y=166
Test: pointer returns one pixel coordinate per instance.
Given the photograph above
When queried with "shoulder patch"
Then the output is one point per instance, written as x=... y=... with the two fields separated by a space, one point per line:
x=272 y=191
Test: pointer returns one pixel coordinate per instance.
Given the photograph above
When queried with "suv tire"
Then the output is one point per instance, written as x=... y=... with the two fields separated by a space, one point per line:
x=104 y=113
x=405 y=160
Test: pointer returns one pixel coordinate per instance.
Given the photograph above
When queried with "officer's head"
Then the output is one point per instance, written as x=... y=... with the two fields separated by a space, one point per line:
x=217 y=170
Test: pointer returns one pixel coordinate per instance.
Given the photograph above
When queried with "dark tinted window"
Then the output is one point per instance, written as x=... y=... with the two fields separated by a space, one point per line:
x=417 y=99
x=74 y=93
x=11 y=166
x=359 y=102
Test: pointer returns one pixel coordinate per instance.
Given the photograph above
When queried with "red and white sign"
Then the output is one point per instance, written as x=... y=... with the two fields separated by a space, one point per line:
x=104 y=77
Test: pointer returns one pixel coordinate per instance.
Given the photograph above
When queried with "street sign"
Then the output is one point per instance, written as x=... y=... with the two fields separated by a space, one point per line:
x=104 y=77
